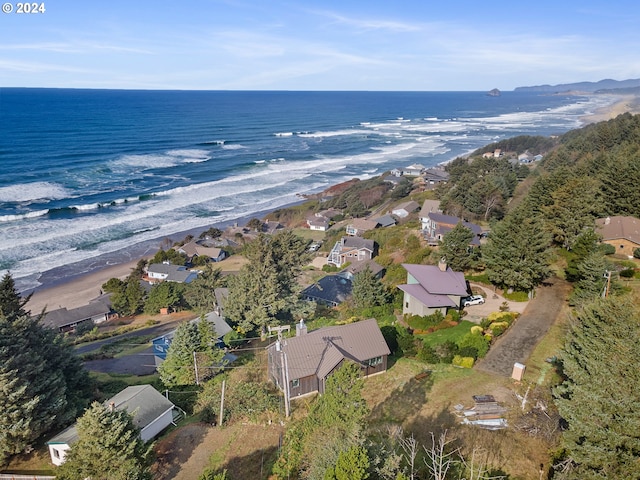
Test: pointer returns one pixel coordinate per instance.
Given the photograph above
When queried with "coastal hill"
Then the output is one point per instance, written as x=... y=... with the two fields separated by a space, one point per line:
x=606 y=84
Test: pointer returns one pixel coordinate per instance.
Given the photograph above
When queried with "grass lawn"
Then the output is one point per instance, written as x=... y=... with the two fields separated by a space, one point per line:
x=448 y=334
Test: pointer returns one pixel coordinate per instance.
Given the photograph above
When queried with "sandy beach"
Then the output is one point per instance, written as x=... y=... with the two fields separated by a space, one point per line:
x=81 y=290
x=77 y=292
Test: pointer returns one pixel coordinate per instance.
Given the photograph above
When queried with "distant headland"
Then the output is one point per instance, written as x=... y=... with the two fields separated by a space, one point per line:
x=602 y=86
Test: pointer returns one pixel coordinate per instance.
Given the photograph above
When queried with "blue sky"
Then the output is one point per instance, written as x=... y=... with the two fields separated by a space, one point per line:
x=319 y=45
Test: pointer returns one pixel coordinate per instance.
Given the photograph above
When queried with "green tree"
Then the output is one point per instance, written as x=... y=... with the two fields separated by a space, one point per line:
x=192 y=348
x=352 y=464
x=591 y=278
x=267 y=287
x=199 y=294
x=517 y=254
x=109 y=447
x=163 y=295
x=42 y=383
x=170 y=255
x=255 y=224
x=455 y=247
x=368 y=290
x=598 y=398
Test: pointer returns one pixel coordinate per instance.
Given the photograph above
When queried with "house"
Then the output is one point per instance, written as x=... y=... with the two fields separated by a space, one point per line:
x=621 y=232
x=271 y=227
x=351 y=249
x=360 y=225
x=414 y=170
x=525 y=158
x=201 y=248
x=318 y=222
x=435 y=175
x=497 y=153
x=428 y=206
x=354 y=268
x=331 y=290
x=385 y=221
x=432 y=288
x=396 y=172
x=165 y=272
x=435 y=225
x=67 y=320
x=162 y=343
x=151 y=411
x=300 y=365
x=404 y=209
x=487 y=155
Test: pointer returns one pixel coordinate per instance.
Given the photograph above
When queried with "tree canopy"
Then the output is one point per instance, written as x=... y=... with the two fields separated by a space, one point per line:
x=43 y=385
x=598 y=398
x=455 y=247
x=109 y=447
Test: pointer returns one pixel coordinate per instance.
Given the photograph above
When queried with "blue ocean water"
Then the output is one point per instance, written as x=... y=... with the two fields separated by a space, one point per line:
x=92 y=177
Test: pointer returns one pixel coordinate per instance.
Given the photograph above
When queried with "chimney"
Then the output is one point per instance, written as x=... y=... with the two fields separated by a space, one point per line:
x=442 y=264
x=278 y=346
x=112 y=406
x=607 y=220
x=301 y=328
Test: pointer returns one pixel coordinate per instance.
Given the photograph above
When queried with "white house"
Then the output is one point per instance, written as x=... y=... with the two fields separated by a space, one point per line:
x=151 y=411
x=161 y=272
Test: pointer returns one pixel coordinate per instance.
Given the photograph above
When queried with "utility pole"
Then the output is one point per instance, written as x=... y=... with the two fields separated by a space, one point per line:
x=195 y=367
x=607 y=286
x=221 y=405
x=283 y=363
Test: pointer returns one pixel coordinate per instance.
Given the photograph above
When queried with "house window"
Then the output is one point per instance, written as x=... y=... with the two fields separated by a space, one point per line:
x=56 y=453
x=621 y=246
x=295 y=383
x=375 y=361
x=406 y=304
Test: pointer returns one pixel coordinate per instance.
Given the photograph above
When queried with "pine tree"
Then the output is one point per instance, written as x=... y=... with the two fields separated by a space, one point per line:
x=352 y=464
x=598 y=398
x=42 y=384
x=109 y=447
x=368 y=290
x=199 y=294
x=193 y=347
x=517 y=253
x=455 y=247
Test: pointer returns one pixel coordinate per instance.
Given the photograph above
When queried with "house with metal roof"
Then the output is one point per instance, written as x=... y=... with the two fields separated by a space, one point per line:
x=405 y=208
x=300 y=365
x=432 y=288
x=436 y=225
x=330 y=290
x=165 y=272
x=201 y=248
x=151 y=411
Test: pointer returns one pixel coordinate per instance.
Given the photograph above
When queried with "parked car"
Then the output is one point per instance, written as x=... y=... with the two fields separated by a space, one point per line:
x=314 y=247
x=473 y=300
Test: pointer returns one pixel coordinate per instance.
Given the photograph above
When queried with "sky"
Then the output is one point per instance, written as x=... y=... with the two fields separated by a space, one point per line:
x=397 y=45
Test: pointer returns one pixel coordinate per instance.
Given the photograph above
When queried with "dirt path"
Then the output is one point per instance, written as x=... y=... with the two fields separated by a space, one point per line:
x=519 y=341
x=245 y=450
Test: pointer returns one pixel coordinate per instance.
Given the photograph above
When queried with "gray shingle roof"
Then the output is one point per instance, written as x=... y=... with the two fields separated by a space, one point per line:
x=319 y=351
x=332 y=288
x=614 y=228
x=62 y=317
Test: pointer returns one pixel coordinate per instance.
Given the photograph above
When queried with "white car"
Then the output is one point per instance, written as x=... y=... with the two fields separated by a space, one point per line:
x=473 y=300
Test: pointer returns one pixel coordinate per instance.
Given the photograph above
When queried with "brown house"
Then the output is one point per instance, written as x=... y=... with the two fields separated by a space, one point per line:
x=621 y=232
x=301 y=365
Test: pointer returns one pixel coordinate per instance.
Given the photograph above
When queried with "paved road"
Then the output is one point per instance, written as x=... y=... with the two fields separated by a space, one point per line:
x=142 y=363
x=519 y=341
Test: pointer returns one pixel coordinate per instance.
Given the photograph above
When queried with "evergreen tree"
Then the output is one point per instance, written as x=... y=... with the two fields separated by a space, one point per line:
x=598 y=398
x=199 y=294
x=455 y=246
x=517 y=253
x=193 y=347
x=368 y=290
x=352 y=464
x=109 y=447
x=163 y=295
x=42 y=384
x=591 y=278
x=267 y=287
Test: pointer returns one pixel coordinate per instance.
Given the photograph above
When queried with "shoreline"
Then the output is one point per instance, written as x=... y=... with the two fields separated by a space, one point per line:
x=76 y=285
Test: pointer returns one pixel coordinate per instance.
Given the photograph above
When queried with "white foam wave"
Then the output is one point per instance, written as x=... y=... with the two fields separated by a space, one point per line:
x=24 y=216
x=284 y=134
x=29 y=192
x=233 y=146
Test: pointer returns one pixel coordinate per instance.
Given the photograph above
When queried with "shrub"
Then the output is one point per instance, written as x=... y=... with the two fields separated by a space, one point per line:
x=636 y=253
x=406 y=343
x=501 y=317
x=390 y=334
x=504 y=306
x=446 y=351
x=427 y=354
x=464 y=362
x=608 y=249
x=627 y=273
x=477 y=330
x=478 y=342
x=498 y=328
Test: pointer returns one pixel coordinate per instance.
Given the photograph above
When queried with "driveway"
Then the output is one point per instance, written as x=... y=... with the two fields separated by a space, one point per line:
x=492 y=303
x=519 y=341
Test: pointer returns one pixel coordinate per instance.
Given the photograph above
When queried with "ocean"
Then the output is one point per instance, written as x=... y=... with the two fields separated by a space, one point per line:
x=90 y=178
